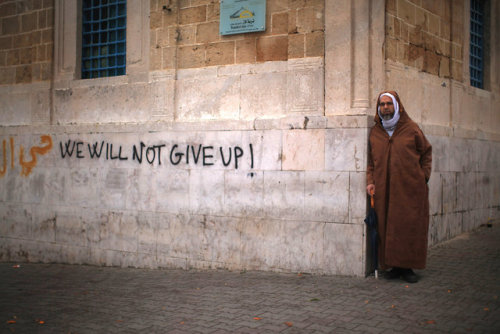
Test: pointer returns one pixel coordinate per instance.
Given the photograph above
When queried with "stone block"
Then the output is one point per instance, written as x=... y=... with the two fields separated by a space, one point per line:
x=186 y=35
x=296 y=46
x=220 y=53
x=11 y=25
x=43 y=227
x=114 y=187
x=208 y=98
x=119 y=231
x=263 y=95
x=141 y=194
x=245 y=51
x=75 y=228
x=444 y=67
x=346 y=149
x=344 y=249
x=284 y=195
x=403 y=52
x=304 y=81
x=243 y=193
x=279 y=23
x=327 y=197
x=391 y=49
x=81 y=187
x=206 y=192
x=390 y=6
x=467 y=191
x=435 y=7
x=29 y=21
x=267 y=149
x=436 y=102
x=358 y=198
x=309 y=19
x=435 y=194
x=315 y=44
x=273 y=48
x=449 y=192
x=213 y=11
x=207 y=32
x=303 y=150
x=457 y=70
x=16 y=220
x=431 y=62
x=172 y=191
x=406 y=11
x=303 y=246
x=215 y=240
x=23 y=74
x=192 y=15
x=118 y=102
x=147 y=232
x=262 y=244
x=155 y=20
x=191 y=56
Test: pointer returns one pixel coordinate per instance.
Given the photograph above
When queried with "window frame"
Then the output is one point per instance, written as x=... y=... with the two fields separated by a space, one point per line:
x=68 y=43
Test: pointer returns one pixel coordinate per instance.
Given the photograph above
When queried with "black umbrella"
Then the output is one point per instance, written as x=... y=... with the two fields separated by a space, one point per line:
x=371 y=222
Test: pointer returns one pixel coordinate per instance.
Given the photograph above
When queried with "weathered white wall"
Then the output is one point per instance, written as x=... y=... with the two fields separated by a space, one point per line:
x=462 y=123
x=295 y=201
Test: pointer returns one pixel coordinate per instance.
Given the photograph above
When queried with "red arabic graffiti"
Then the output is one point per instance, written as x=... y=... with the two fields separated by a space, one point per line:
x=26 y=165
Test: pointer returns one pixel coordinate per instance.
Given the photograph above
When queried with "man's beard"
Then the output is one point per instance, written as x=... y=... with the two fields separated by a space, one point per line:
x=387 y=117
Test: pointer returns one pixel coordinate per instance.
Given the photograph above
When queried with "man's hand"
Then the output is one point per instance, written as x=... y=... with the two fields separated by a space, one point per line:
x=370 y=189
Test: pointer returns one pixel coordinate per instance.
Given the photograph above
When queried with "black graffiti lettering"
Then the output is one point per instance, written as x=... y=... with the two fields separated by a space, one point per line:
x=93 y=151
x=150 y=149
x=111 y=152
x=159 y=152
x=135 y=155
x=251 y=156
x=151 y=153
x=79 y=150
x=207 y=156
x=195 y=156
x=222 y=156
x=178 y=155
x=114 y=157
x=67 y=150
x=120 y=154
x=238 y=153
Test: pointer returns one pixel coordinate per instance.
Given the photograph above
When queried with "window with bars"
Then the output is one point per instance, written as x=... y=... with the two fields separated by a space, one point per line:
x=104 y=24
x=476 y=56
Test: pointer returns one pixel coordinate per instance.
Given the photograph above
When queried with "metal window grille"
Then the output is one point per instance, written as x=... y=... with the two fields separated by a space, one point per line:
x=104 y=38
x=476 y=43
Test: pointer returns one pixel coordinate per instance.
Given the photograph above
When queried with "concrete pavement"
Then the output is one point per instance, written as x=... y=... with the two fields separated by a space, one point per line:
x=457 y=293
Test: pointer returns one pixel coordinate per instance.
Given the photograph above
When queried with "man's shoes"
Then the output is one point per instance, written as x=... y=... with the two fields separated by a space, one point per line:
x=394 y=273
x=409 y=276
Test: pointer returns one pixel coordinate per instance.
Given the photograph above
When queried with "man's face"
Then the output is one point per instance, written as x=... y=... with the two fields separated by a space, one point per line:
x=386 y=108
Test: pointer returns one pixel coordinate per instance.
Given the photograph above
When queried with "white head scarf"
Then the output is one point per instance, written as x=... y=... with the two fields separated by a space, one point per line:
x=390 y=125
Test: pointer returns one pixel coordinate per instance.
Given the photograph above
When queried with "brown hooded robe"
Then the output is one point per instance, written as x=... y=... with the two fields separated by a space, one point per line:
x=400 y=167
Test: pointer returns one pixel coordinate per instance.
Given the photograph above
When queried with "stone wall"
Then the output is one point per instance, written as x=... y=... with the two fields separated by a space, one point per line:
x=258 y=197
x=185 y=34
x=427 y=62
x=426 y=35
x=26 y=41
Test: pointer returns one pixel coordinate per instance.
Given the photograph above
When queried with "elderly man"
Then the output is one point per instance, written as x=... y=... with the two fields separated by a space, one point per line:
x=399 y=167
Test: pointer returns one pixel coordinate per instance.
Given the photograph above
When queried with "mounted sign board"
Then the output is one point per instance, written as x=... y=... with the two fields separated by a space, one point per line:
x=241 y=16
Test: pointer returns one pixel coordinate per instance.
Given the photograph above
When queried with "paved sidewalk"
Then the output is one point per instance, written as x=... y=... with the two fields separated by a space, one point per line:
x=458 y=293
